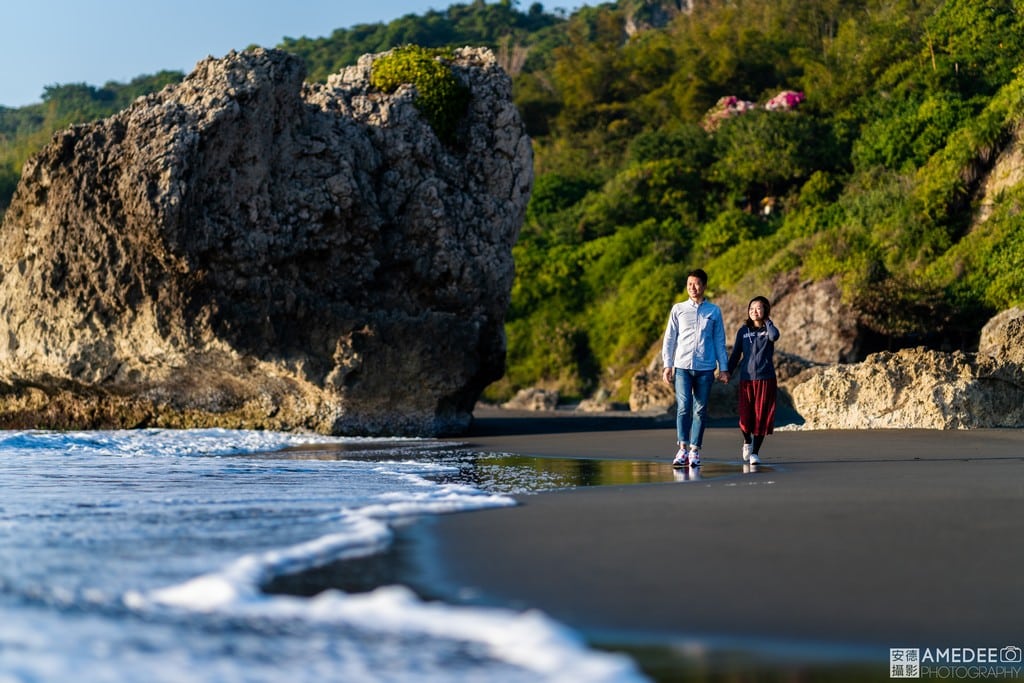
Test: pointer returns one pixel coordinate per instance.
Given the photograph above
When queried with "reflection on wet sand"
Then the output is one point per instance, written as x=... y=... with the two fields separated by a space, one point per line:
x=509 y=473
x=556 y=473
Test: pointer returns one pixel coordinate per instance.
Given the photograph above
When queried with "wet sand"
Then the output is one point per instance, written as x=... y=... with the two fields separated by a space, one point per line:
x=845 y=544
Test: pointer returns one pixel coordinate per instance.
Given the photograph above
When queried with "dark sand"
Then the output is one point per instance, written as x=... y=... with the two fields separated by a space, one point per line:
x=846 y=544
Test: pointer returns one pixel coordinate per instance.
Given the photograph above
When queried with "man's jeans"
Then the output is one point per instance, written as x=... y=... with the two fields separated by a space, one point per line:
x=693 y=387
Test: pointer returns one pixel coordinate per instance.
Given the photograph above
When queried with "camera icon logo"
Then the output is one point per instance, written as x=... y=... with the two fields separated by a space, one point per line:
x=1010 y=653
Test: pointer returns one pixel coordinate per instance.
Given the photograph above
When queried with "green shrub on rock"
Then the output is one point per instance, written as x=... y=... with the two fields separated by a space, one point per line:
x=440 y=96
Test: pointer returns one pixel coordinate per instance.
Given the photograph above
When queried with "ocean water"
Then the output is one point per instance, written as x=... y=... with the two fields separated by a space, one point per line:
x=140 y=556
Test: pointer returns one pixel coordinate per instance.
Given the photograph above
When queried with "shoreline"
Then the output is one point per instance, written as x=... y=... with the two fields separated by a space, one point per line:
x=852 y=543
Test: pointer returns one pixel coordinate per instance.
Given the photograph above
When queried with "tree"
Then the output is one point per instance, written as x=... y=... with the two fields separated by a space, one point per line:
x=764 y=153
x=975 y=45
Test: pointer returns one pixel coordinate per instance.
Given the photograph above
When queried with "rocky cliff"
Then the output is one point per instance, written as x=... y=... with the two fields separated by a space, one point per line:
x=246 y=250
x=816 y=324
x=921 y=388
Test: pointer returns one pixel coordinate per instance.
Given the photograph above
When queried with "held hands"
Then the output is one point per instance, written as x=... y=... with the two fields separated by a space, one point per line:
x=669 y=374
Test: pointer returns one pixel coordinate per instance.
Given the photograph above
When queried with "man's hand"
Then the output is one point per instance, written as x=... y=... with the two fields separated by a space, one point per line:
x=723 y=377
x=668 y=374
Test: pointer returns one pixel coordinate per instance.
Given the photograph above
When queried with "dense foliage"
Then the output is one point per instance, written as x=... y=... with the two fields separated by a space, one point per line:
x=439 y=95
x=838 y=139
x=476 y=23
x=667 y=152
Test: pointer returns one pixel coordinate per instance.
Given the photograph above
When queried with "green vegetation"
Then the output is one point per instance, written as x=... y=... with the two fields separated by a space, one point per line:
x=439 y=95
x=498 y=25
x=657 y=151
x=661 y=155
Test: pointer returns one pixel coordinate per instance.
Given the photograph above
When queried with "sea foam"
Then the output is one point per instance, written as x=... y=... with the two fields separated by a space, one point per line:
x=135 y=553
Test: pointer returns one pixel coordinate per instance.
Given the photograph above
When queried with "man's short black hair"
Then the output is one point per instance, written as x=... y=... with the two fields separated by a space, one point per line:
x=700 y=275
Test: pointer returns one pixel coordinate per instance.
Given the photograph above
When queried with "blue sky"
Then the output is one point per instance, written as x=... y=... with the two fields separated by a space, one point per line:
x=49 y=42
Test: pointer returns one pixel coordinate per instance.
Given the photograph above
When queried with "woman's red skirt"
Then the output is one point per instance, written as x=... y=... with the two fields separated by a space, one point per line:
x=757 y=406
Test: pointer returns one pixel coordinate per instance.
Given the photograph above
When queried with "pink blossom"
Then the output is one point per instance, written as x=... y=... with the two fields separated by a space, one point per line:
x=725 y=108
x=730 y=106
x=787 y=99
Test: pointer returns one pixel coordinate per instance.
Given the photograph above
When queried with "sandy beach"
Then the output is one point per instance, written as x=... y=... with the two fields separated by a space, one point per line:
x=842 y=546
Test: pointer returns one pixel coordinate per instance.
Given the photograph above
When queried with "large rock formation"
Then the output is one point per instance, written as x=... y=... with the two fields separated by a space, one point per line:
x=816 y=324
x=920 y=388
x=246 y=250
x=1003 y=337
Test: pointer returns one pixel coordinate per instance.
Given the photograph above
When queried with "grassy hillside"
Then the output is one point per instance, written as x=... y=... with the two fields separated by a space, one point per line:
x=754 y=138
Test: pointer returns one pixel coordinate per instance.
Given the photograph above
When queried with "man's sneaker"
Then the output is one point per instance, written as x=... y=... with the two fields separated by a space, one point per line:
x=746 y=451
x=694 y=458
x=680 y=459
x=754 y=460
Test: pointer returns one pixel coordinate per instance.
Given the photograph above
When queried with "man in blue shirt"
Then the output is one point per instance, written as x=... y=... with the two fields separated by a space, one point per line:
x=694 y=345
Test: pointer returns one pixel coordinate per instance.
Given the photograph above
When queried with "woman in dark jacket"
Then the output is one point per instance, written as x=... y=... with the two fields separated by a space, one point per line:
x=753 y=353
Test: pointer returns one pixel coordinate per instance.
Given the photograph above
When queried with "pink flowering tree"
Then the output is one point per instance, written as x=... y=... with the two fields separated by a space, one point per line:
x=731 y=106
x=726 y=107
x=760 y=155
x=785 y=100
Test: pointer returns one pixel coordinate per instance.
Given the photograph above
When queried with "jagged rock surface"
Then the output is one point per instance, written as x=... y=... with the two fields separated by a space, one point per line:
x=533 y=399
x=919 y=388
x=816 y=324
x=246 y=250
x=1003 y=337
